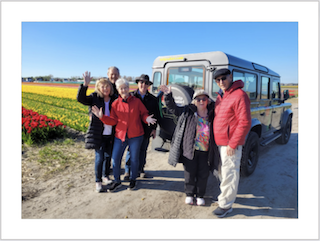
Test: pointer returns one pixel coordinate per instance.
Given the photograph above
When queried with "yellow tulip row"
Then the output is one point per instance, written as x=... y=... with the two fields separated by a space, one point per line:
x=71 y=104
x=61 y=92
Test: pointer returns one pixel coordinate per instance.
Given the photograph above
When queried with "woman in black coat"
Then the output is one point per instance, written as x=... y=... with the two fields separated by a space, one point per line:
x=192 y=143
x=99 y=136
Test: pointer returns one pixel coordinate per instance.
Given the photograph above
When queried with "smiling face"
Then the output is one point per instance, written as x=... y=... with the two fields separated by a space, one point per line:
x=123 y=91
x=201 y=102
x=105 y=89
x=224 y=82
x=143 y=87
x=113 y=75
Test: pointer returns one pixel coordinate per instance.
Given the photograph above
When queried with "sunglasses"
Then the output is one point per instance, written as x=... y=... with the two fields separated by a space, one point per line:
x=144 y=82
x=222 y=78
x=203 y=99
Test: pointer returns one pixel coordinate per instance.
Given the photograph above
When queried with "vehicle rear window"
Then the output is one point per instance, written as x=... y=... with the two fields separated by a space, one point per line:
x=191 y=76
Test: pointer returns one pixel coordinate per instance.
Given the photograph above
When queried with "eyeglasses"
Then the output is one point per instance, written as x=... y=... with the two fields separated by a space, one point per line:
x=222 y=78
x=144 y=82
x=203 y=99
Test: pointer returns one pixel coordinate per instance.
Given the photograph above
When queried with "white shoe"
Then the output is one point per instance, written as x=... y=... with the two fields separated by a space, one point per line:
x=200 y=201
x=98 y=186
x=189 y=200
x=106 y=180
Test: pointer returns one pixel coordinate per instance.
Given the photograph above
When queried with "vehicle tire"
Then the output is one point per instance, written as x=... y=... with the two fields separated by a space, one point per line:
x=285 y=132
x=250 y=155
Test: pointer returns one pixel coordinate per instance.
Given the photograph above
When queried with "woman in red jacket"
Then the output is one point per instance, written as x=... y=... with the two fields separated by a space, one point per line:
x=126 y=114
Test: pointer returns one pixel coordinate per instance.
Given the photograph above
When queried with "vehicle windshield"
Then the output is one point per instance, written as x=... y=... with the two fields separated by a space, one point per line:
x=191 y=76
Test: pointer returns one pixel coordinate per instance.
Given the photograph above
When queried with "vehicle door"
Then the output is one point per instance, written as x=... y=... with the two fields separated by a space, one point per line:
x=277 y=110
x=265 y=108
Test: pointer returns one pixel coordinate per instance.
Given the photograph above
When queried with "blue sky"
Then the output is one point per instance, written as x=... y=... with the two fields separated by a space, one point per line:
x=66 y=49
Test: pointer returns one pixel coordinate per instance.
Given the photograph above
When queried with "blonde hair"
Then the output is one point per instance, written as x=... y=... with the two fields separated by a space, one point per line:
x=103 y=81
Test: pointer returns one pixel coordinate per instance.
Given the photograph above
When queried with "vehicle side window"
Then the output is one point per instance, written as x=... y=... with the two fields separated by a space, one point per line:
x=191 y=76
x=265 y=87
x=156 y=82
x=275 y=89
x=215 y=89
x=250 y=83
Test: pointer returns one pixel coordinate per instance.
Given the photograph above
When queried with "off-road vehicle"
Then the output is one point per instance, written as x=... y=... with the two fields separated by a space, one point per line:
x=185 y=73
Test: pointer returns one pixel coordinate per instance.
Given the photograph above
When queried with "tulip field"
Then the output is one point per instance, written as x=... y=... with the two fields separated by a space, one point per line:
x=58 y=102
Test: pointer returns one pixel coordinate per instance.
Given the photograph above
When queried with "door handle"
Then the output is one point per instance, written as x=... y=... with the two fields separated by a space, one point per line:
x=274 y=111
x=262 y=114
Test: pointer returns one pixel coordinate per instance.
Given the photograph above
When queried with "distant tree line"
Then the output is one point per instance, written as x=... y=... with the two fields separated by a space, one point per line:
x=72 y=78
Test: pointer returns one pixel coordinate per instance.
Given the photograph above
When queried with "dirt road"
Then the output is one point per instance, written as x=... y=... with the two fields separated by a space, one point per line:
x=270 y=192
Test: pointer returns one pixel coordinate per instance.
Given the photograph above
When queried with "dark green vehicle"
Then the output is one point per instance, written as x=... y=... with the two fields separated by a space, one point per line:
x=185 y=73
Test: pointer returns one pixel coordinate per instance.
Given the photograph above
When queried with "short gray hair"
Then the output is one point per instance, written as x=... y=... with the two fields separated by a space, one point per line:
x=120 y=82
x=113 y=67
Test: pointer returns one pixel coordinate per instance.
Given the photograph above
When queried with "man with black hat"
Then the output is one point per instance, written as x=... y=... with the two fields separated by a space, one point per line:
x=150 y=102
x=231 y=125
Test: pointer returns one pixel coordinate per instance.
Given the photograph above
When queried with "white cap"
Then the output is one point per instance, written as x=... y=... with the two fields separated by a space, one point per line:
x=199 y=92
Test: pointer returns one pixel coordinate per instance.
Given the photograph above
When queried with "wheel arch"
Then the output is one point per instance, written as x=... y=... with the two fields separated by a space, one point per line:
x=286 y=114
x=255 y=127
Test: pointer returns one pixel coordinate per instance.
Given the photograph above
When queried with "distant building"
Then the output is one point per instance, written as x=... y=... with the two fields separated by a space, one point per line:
x=28 y=79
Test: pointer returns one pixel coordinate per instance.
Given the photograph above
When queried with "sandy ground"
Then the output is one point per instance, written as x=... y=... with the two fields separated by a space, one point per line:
x=270 y=192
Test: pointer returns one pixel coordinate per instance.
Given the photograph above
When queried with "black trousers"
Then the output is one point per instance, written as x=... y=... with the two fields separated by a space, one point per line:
x=196 y=173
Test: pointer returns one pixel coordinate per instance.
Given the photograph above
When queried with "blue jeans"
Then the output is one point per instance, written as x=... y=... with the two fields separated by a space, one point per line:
x=142 y=155
x=117 y=153
x=103 y=158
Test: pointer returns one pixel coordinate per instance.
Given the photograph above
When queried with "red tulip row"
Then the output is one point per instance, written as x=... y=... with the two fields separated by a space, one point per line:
x=39 y=128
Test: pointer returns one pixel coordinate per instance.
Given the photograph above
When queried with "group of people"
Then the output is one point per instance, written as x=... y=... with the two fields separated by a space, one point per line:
x=208 y=136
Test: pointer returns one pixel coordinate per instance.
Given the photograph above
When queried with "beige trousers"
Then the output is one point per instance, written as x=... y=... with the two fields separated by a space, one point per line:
x=229 y=175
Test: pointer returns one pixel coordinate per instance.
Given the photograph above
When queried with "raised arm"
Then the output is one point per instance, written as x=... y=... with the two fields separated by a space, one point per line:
x=82 y=91
x=170 y=103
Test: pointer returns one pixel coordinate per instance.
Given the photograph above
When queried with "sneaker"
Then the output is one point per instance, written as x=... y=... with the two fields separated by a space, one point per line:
x=200 y=201
x=132 y=185
x=98 y=186
x=106 y=180
x=220 y=212
x=142 y=174
x=114 y=186
x=189 y=200
x=126 y=177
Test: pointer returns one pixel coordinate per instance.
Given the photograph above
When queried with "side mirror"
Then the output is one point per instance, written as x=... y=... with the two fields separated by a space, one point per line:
x=286 y=94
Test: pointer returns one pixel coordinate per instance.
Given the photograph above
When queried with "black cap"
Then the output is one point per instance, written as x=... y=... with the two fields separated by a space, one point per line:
x=144 y=77
x=221 y=72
